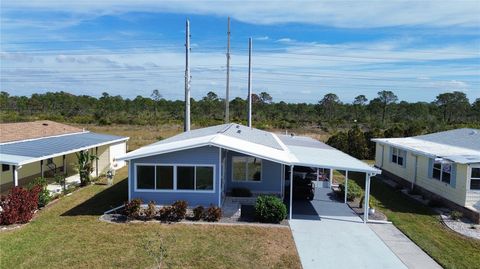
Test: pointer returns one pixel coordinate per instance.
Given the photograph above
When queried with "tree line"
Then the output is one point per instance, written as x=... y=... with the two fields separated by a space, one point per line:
x=447 y=110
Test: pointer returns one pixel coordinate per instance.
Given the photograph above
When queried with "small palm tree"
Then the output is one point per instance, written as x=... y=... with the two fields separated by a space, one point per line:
x=85 y=166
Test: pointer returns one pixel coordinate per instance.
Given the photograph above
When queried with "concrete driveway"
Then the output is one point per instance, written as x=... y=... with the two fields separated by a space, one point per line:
x=328 y=234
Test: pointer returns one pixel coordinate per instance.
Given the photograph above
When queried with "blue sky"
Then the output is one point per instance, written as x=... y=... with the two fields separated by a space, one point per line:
x=302 y=49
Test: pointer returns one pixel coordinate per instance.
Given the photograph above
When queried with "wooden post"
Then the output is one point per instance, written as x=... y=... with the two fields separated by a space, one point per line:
x=64 y=160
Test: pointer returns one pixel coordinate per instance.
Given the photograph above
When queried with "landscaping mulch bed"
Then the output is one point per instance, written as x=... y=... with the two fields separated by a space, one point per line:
x=247 y=216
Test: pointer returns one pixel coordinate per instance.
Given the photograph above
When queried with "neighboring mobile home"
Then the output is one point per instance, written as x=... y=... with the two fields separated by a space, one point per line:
x=444 y=164
x=202 y=166
x=45 y=148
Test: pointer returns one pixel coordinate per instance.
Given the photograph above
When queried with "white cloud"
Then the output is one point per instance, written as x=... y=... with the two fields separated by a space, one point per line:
x=261 y=38
x=348 y=14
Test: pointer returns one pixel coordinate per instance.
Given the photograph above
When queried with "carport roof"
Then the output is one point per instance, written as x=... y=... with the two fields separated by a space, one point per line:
x=27 y=151
x=289 y=150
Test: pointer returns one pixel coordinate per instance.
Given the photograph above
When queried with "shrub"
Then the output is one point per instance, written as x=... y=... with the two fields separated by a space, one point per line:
x=362 y=201
x=179 y=210
x=198 y=212
x=165 y=213
x=151 y=211
x=44 y=196
x=213 y=213
x=132 y=208
x=456 y=215
x=19 y=205
x=241 y=192
x=270 y=209
x=414 y=191
x=354 y=191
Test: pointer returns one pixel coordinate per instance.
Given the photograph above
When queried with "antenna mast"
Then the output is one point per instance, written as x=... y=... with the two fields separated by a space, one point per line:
x=227 y=94
x=187 y=77
x=250 y=82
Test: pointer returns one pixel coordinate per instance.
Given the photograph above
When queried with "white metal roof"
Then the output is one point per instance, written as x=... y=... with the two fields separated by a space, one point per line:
x=289 y=150
x=460 y=145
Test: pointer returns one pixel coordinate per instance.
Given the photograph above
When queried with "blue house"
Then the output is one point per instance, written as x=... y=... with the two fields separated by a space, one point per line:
x=202 y=166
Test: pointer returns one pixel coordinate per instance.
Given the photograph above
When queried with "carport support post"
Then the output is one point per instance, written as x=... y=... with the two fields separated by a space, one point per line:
x=367 y=197
x=64 y=161
x=346 y=185
x=291 y=193
x=330 y=177
x=96 y=161
x=15 y=175
x=41 y=168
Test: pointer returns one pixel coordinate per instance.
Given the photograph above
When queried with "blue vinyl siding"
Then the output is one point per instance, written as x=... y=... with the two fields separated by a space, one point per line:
x=196 y=156
x=271 y=177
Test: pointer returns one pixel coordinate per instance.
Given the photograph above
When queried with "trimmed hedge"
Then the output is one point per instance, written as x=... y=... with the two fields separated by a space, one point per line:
x=270 y=209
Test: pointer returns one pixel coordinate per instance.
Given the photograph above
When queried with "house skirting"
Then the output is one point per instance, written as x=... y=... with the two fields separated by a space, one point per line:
x=468 y=213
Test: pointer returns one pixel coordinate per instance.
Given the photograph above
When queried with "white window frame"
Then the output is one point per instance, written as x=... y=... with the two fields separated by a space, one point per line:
x=471 y=167
x=441 y=171
x=247 y=180
x=174 y=190
x=396 y=152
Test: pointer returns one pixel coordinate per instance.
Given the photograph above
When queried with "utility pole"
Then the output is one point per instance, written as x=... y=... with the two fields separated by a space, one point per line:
x=250 y=82
x=227 y=94
x=187 y=77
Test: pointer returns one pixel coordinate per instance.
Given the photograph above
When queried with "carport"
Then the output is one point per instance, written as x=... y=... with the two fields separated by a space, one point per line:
x=312 y=153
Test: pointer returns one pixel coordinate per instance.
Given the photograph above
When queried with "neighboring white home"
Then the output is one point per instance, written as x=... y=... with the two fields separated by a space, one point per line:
x=446 y=164
x=45 y=148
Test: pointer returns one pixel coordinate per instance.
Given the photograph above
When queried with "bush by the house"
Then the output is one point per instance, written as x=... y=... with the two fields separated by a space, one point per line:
x=179 y=209
x=270 y=209
x=354 y=191
x=241 y=192
x=456 y=215
x=362 y=201
x=165 y=213
x=132 y=208
x=151 y=211
x=213 y=213
x=198 y=212
x=19 y=205
x=44 y=196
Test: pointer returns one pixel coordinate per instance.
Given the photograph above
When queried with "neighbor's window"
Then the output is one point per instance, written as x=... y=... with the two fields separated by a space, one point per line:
x=398 y=156
x=164 y=178
x=437 y=170
x=475 y=179
x=145 y=177
x=185 y=177
x=442 y=171
x=5 y=167
x=246 y=168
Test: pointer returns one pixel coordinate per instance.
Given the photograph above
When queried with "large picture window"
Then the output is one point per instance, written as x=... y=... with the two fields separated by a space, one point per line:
x=145 y=177
x=164 y=178
x=398 y=156
x=175 y=177
x=475 y=179
x=246 y=169
x=442 y=171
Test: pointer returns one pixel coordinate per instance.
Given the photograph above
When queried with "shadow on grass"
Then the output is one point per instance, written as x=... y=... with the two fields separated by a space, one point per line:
x=394 y=200
x=103 y=201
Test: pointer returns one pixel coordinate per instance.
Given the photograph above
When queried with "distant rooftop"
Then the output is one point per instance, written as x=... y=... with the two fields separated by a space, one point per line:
x=18 y=131
x=459 y=145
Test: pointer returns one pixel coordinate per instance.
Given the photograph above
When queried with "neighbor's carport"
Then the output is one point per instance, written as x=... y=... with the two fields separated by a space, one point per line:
x=308 y=152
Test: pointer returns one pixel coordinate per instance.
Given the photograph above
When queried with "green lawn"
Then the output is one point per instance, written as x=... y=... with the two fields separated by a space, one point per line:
x=423 y=226
x=69 y=234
